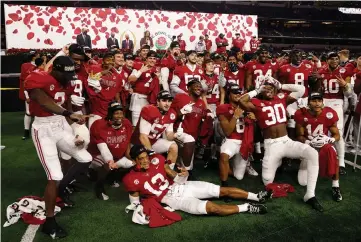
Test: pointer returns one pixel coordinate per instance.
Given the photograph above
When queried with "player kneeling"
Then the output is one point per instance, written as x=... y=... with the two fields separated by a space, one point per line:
x=110 y=145
x=152 y=177
x=312 y=126
x=153 y=122
x=232 y=122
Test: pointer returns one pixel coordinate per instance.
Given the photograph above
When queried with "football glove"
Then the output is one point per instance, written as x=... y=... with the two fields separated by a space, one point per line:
x=319 y=141
x=94 y=81
x=187 y=108
x=77 y=101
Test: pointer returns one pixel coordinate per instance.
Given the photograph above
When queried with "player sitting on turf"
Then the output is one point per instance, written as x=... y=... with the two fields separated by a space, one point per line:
x=313 y=124
x=153 y=123
x=270 y=111
x=153 y=178
x=110 y=145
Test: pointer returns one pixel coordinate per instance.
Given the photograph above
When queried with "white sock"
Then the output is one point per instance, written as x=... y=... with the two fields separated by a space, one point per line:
x=252 y=196
x=172 y=166
x=257 y=147
x=243 y=207
x=312 y=172
x=340 y=148
x=27 y=122
x=188 y=168
x=335 y=183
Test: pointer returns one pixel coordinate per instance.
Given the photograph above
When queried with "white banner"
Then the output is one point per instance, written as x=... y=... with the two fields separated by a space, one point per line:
x=39 y=27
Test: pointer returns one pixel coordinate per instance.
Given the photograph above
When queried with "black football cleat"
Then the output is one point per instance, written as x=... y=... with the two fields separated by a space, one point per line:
x=342 y=170
x=65 y=198
x=315 y=204
x=100 y=191
x=263 y=196
x=336 y=194
x=257 y=208
x=51 y=228
x=26 y=134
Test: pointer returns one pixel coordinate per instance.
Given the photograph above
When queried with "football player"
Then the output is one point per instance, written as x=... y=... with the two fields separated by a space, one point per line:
x=26 y=69
x=270 y=111
x=50 y=132
x=295 y=73
x=232 y=121
x=104 y=85
x=335 y=81
x=152 y=177
x=190 y=110
x=110 y=145
x=169 y=64
x=313 y=124
x=143 y=80
x=183 y=74
x=153 y=123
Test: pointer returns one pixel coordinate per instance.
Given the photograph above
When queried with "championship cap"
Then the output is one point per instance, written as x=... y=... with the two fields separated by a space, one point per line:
x=65 y=65
x=164 y=95
x=136 y=150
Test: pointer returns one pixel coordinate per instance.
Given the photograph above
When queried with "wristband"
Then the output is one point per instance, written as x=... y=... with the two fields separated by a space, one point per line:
x=252 y=94
x=66 y=113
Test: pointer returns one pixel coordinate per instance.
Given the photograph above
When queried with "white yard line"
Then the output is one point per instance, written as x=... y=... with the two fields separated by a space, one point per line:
x=30 y=233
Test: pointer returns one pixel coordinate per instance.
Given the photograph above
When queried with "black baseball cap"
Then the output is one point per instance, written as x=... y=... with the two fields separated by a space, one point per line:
x=78 y=50
x=191 y=52
x=164 y=95
x=174 y=44
x=39 y=61
x=152 y=53
x=315 y=95
x=87 y=49
x=65 y=65
x=136 y=150
x=129 y=57
x=192 y=81
x=145 y=47
x=215 y=56
x=331 y=55
x=234 y=88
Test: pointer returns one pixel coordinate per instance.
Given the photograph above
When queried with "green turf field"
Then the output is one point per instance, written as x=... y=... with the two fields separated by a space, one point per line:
x=288 y=219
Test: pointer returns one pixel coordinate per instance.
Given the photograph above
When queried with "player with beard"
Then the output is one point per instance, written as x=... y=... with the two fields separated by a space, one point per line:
x=259 y=68
x=110 y=145
x=50 y=131
x=169 y=64
x=153 y=178
x=233 y=123
x=313 y=124
x=182 y=74
x=335 y=81
x=190 y=109
x=153 y=123
x=295 y=73
x=270 y=111
x=26 y=69
x=103 y=86
x=144 y=80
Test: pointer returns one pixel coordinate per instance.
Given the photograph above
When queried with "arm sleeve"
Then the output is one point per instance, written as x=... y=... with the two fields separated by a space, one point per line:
x=144 y=126
x=297 y=91
x=105 y=152
x=164 y=73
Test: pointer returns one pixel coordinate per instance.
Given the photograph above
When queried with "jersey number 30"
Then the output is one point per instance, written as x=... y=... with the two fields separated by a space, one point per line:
x=277 y=113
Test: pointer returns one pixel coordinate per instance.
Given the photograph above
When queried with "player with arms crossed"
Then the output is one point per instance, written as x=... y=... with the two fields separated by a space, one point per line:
x=313 y=124
x=335 y=81
x=152 y=177
x=110 y=145
x=270 y=111
x=153 y=122
x=51 y=131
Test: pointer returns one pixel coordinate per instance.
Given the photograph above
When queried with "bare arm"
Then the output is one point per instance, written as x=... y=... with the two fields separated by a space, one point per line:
x=227 y=126
x=300 y=133
x=245 y=102
x=334 y=132
x=45 y=101
x=248 y=80
x=170 y=173
x=144 y=130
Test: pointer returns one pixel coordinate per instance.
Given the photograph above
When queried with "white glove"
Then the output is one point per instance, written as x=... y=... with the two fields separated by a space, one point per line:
x=328 y=140
x=179 y=131
x=95 y=84
x=319 y=141
x=77 y=101
x=187 y=108
x=273 y=81
x=81 y=132
x=211 y=114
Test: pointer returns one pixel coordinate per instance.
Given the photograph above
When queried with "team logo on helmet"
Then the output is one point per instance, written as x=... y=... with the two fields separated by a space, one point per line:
x=52 y=87
x=155 y=161
x=329 y=115
x=136 y=181
x=172 y=116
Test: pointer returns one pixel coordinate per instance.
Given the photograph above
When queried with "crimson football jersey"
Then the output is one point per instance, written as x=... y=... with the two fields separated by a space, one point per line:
x=271 y=112
x=44 y=81
x=184 y=74
x=290 y=74
x=191 y=121
x=254 y=43
x=332 y=89
x=171 y=63
x=111 y=85
x=227 y=110
x=316 y=125
x=159 y=123
x=150 y=183
x=144 y=82
x=238 y=43
x=221 y=49
x=258 y=69
x=235 y=77
x=213 y=92
x=117 y=140
x=26 y=69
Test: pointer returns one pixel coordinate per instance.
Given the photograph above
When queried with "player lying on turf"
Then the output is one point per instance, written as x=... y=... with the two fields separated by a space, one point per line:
x=270 y=110
x=152 y=177
x=313 y=124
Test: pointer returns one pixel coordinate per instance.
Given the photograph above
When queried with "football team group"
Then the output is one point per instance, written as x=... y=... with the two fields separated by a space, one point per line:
x=154 y=116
